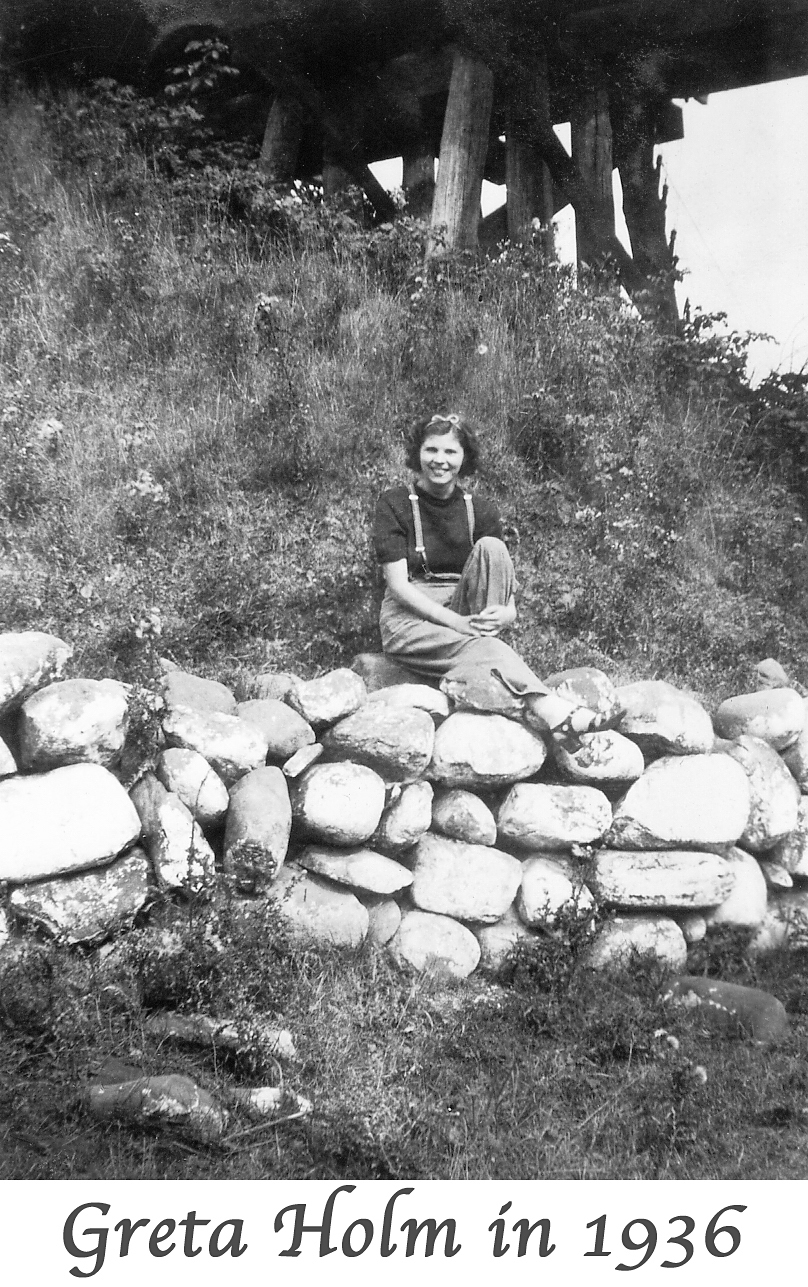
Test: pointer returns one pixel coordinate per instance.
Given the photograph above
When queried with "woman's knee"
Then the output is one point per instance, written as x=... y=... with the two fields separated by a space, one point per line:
x=491 y=544
x=493 y=551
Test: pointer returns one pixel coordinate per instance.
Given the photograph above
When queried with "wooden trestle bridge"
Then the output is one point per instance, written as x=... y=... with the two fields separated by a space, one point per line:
x=477 y=83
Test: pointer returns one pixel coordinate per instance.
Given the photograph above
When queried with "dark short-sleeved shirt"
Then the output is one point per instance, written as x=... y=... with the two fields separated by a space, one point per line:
x=445 y=524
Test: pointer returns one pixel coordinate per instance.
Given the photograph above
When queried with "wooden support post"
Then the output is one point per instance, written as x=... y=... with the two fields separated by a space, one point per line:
x=456 y=208
x=418 y=180
x=530 y=188
x=339 y=145
x=336 y=178
x=592 y=155
x=590 y=211
x=281 y=145
x=644 y=205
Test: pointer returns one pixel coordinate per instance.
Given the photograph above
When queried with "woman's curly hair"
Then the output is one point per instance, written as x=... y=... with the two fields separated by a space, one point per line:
x=461 y=428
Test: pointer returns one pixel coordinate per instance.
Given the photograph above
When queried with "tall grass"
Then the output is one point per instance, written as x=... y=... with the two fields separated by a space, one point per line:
x=233 y=370
x=203 y=385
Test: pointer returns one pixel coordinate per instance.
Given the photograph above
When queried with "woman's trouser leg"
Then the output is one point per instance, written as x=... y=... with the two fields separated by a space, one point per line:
x=429 y=649
x=488 y=578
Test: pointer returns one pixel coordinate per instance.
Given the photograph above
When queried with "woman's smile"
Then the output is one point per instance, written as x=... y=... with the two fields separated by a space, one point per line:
x=441 y=459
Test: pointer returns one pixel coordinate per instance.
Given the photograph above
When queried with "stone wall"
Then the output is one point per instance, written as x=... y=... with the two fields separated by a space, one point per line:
x=443 y=826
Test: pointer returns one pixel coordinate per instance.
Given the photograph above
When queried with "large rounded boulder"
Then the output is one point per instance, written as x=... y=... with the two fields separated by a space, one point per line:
x=468 y=882
x=339 y=804
x=396 y=742
x=683 y=802
x=541 y=816
x=484 y=751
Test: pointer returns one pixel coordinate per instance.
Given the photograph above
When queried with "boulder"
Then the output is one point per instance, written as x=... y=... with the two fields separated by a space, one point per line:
x=775 y=874
x=693 y=926
x=497 y=941
x=652 y=878
x=230 y=745
x=316 y=913
x=192 y=692
x=732 y=1008
x=683 y=802
x=181 y=855
x=770 y=674
x=378 y=671
x=663 y=720
x=538 y=816
x=28 y=660
x=548 y=887
x=8 y=764
x=785 y=924
x=792 y=851
x=439 y=944
x=745 y=905
x=340 y=804
x=484 y=751
x=240 y=1036
x=601 y=757
x=775 y=714
x=147 y=795
x=623 y=939
x=275 y=687
x=587 y=686
x=173 y=1101
x=66 y=820
x=188 y=775
x=359 y=868
x=73 y=721
x=421 y=696
x=775 y=795
x=395 y=742
x=384 y=916
x=256 y=835
x=405 y=818
x=795 y=756
x=303 y=759
x=462 y=815
x=332 y=697
x=468 y=882
x=285 y=731
x=262 y=1102
x=87 y=907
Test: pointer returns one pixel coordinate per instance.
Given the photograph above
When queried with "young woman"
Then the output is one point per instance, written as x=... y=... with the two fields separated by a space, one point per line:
x=449 y=578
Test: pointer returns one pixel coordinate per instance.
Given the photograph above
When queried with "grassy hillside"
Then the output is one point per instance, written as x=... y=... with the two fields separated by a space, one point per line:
x=233 y=371
x=203 y=385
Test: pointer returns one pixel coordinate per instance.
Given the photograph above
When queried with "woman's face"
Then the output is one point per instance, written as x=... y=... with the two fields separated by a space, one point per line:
x=441 y=459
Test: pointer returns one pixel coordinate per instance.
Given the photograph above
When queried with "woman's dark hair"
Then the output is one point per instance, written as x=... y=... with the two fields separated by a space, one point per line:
x=462 y=430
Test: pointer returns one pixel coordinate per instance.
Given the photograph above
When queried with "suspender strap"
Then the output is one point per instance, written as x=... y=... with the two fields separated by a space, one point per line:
x=469 y=516
x=420 y=548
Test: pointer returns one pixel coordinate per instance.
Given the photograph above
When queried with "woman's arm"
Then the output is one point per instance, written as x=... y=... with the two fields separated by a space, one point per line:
x=491 y=621
x=404 y=592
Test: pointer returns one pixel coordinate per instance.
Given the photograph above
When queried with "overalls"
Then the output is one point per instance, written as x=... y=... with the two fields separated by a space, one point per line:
x=487 y=578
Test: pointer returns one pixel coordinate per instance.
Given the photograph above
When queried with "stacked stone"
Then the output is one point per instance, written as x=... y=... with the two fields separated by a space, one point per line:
x=445 y=826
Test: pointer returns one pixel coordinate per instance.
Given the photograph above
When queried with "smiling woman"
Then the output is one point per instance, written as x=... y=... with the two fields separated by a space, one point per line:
x=450 y=583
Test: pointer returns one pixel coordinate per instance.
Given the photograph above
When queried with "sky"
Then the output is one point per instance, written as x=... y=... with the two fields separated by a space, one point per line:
x=738 y=199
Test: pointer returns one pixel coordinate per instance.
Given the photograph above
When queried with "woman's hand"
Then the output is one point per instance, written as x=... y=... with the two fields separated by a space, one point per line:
x=492 y=621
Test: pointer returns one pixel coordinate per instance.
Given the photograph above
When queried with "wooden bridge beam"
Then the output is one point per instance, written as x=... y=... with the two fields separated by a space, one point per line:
x=418 y=180
x=281 y=145
x=456 y=207
x=529 y=186
x=592 y=154
x=643 y=204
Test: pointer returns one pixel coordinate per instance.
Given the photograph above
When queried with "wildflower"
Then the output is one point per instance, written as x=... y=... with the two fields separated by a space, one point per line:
x=700 y=1073
x=482 y=349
